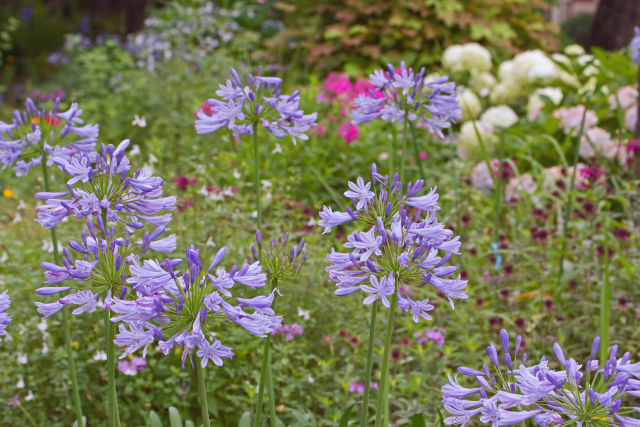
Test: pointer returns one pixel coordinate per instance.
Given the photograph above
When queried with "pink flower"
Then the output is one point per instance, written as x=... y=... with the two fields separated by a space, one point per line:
x=519 y=184
x=182 y=181
x=319 y=130
x=337 y=84
x=349 y=132
x=435 y=336
x=206 y=108
x=289 y=331
x=423 y=155
x=356 y=387
x=15 y=400
x=627 y=96
x=571 y=118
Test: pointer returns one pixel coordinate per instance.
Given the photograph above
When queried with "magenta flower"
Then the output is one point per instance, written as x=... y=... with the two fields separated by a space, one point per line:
x=349 y=132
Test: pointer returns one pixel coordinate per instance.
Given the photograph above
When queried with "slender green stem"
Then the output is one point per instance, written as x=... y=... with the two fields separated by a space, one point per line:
x=65 y=314
x=111 y=368
x=403 y=154
x=496 y=232
x=263 y=376
x=27 y=414
x=605 y=298
x=202 y=396
x=392 y=152
x=272 y=398
x=416 y=150
x=569 y=208
x=383 y=402
x=256 y=175
x=367 y=380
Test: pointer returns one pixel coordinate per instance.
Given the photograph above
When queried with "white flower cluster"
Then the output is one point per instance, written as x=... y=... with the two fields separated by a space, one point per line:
x=492 y=119
x=470 y=57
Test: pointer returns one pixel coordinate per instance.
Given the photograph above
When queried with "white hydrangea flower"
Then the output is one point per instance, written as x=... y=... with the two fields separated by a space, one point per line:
x=470 y=104
x=499 y=116
x=536 y=102
x=468 y=144
x=471 y=57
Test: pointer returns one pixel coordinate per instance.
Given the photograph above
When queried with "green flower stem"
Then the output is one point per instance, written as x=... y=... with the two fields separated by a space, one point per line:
x=605 y=298
x=404 y=146
x=272 y=398
x=202 y=396
x=383 y=402
x=65 y=314
x=263 y=376
x=367 y=381
x=559 y=288
x=28 y=415
x=256 y=175
x=416 y=150
x=111 y=369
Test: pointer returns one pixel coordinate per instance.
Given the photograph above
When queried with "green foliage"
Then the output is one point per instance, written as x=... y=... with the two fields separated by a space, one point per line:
x=361 y=33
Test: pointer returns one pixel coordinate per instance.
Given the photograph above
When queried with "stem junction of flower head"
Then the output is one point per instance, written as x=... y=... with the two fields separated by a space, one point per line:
x=65 y=314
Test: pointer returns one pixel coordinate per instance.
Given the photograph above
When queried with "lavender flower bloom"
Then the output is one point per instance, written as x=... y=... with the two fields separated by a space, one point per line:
x=260 y=102
x=396 y=250
x=100 y=266
x=108 y=187
x=408 y=96
x=5 y=319
x=187 y=308
x=542 y=394
x=34 y=132
x=635 y=45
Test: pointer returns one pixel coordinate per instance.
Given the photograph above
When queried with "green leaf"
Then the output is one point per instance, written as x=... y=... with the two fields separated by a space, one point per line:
x=175 y=420
x=344 y=419
x=154 y=420
x=245 y=419
x=417 y=421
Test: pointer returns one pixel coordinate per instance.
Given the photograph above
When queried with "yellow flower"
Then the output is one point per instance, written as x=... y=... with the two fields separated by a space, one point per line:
x=7 y=193
x=75 y=345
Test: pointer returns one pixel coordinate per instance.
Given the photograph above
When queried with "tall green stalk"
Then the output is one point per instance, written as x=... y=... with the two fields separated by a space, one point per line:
x=65 y=313
x=111 y=369
x=569 y=207
x=403 y=153
x=256 y=176
x=416 y=150
x=383 y=400
x=605 y=299
x=367 y=380
x=263 y=376
x=202 y=396
x=265 y=373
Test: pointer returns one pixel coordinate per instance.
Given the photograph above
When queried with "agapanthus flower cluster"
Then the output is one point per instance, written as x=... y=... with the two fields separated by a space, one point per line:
x=34 y=132
x=402 y=244
x=189 y=308
x=98 y=265
x=588 y=394
x=279 y=262
x=408 y=95
x=107 y=186
x=635 y=45
x=5 y=319
x=259 y=103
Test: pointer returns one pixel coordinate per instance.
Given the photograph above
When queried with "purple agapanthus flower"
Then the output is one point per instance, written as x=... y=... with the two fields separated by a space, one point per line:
x=396 y=250
x=186 y=308
x=574 y=394
x=635 y=45
x=99 y=264
x=243 y=107
x=408 y=96
x=34 y=132
x=108 y=186
x=5 y=319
